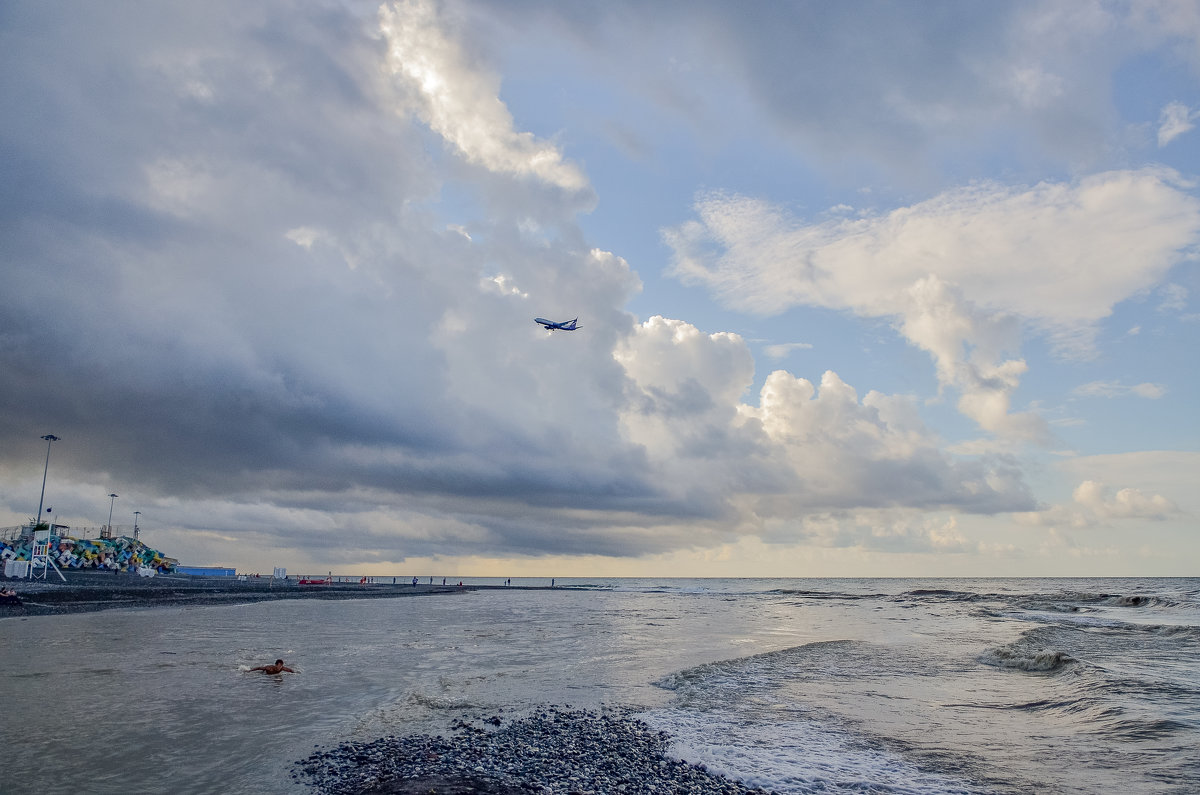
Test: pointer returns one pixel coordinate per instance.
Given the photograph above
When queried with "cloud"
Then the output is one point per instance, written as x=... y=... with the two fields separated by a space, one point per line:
x=273 y=274
x=460 y=101
x=1176 y=119
x=800 y=449
x=1127 y=503
x=246 y=304
x=1095 y=503
x=854 y=87
x=1112 y=389
x=1174 y=298
x=260 y=299
x=959 y=274
x=873 y=453
x=890 y=530
x=784 y=349
x=1158 y=486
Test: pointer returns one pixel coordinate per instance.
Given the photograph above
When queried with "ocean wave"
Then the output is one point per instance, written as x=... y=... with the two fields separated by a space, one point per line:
x=1019 y=658
x=803 y=594
x=943 y=594
x=1143 y=730
x=1051 y=607
x=1139 y=600
x=1115 y=627
x=1170 y=630
x=1085 y=598
x=836 y=658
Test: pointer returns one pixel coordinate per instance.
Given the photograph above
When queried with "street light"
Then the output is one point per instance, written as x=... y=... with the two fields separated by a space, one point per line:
x=136 y=514
x=110 y=510
x=50 y=439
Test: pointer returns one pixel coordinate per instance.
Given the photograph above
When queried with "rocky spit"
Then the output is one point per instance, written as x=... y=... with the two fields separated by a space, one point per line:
x=552 y=751
x=90 y=591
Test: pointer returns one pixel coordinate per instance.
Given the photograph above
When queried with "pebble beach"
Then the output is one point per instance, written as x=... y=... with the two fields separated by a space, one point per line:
x=552 y=750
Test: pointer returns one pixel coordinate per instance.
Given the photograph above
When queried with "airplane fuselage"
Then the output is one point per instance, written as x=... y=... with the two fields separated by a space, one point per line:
x=550 y=325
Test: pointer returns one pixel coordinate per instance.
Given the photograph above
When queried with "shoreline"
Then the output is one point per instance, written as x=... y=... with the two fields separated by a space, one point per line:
x=89 y=592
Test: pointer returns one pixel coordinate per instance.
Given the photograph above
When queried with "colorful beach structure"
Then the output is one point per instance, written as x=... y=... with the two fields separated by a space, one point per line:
x=102 y=554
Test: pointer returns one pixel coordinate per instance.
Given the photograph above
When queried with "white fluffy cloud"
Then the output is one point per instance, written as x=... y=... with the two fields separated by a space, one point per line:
x=959 y=273
x=1127 y=503
x=1096 y=503
x=459 y=100
x=801 y=448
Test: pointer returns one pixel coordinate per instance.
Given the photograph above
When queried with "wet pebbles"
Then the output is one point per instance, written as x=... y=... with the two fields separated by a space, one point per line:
x=552 y=751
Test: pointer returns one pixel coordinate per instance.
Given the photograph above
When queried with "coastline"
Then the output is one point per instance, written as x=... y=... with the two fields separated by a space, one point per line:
x=87 y=592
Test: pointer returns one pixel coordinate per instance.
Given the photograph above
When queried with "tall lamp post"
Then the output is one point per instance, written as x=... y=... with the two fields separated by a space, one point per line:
x=111 y=502
x=136 y=514
x=50 y=439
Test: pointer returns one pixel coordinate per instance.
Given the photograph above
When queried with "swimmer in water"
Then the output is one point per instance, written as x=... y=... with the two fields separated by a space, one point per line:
x=277 y=668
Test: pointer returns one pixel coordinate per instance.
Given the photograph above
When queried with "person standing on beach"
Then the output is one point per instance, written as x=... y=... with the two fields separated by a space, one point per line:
x=277 y=668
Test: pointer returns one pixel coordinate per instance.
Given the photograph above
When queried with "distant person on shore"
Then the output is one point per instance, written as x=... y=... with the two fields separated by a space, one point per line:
x=277 y=668
x=414 y=582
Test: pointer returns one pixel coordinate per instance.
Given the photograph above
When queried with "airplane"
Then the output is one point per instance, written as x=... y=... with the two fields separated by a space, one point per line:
x=566 y=325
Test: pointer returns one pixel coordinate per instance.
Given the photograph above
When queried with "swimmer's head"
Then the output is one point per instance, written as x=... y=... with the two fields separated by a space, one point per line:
x=279 y=662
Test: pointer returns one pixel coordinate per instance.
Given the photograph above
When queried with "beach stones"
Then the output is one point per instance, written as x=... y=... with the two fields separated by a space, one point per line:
x=552 y=751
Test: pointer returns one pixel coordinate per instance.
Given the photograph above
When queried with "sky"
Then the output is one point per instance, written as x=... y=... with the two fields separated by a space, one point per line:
x=863 y=289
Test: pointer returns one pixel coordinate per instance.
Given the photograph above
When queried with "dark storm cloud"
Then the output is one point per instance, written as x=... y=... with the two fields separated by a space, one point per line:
x=245 y=281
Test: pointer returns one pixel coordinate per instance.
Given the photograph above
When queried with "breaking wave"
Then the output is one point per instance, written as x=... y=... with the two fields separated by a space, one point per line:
x=1014 y=657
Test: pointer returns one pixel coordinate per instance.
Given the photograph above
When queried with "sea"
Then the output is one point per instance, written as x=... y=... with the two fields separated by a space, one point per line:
x=795 y=685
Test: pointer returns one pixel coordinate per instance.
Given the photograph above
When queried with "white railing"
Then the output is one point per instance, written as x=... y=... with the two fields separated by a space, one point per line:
x=118 y=530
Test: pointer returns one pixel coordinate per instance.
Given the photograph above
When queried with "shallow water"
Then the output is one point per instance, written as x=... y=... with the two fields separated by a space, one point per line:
x=902 y=686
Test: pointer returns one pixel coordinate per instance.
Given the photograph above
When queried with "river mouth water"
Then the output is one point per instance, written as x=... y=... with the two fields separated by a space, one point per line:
x=795 y=685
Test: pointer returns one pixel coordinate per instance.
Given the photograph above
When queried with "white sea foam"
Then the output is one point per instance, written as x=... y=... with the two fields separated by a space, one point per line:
x=795 y=756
